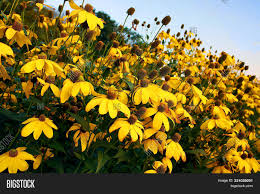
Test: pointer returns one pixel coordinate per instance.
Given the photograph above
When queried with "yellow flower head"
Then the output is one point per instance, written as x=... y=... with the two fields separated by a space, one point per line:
x=15 y=160
x=37 y=126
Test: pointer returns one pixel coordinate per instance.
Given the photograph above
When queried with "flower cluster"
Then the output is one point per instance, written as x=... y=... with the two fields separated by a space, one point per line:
x=158 y=106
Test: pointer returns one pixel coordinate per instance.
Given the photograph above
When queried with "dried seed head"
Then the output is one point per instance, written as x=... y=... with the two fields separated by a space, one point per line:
x=161 y=169
x=74 y=75
x=182 y=26
x=141 y=74
x=136 y=21
x=13 y=153
x=74 y=109
x=157 y=23
x=144 y=83
x=113 y=35
x=161 y=107
x=166 y=20
x=218 y=103
x=167 y=78
x=148 y=26
x=155 y=19
x=99 y=45
x=115 y=44
x=67 y=12
x=170 y=103
x=63 y=34
x=155 y=43
x=60 y=8
x=17 y=26
x=90 y=34
x=247 y=90
x=164 y=71
x=131 y=11
x=176 y=137
x=42 y=117
x=178 y=34
x=240 y=135
x=244 y=156
x=141 y=111
x=153 y=74
x=50 y=79
x=168 y=31
x=239 y=85
x=252 y=78
x=139 y=52
x=132 y=119
x=111 y=95
x=165 y=87
x=242 y=64
x=187 y=72
x=246 y=67
x=190 y=80
x=89 y=8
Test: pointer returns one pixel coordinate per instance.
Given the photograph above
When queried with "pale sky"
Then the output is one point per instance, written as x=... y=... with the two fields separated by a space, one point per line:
x=232 y=26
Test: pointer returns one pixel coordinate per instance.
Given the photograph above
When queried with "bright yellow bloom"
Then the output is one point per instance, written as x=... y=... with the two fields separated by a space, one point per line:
x=146 y=93
x=174 y=149
x=50 y=68
x=126 y=126
x=37 y=126
x=86 y=137
x=45 y=154
x=160 y=167
x=108 y=103
x=15 y=160
x=5 y=51
x=47 y=84
x=83 y=15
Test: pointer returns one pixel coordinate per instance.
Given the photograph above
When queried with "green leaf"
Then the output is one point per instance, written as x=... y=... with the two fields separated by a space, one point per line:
x=78 y=155
x=102 y=159
x=81 y=121
x=130 y=84
x=8 y=115
x=57 y=146
x=121 y=156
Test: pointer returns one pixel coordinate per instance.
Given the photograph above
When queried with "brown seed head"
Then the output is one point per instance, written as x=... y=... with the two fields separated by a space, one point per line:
x=155 y=43
x=113 y=35
x=111 y=95
x=153 y=74
x=166 y=20
x=176 y=137
x=17 y=26
x=165 y=87
x=164 y=71
x=115 y=44
x=132 y=119
x=42 y=117
x=187 y=72
x=141 y=74
x=141 y=111
x=244 y=156
x=131 y=11
x=99 y=45
x=161 y=107
x=144 y=83
x=89 y=8
x=13 y=153
x=90 y=34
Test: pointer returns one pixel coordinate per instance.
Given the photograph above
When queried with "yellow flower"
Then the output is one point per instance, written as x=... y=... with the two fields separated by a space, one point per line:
x=221 y=169
x=37 y=126
x=126 y=126
x=15 y=160
x=161 y=114
x=27 y=87
x=71 y=87
x=160 y=167
x=50 y=68
x=5 y=51
x=16 y=33
x=83 y=15
x=45 y=154
x=86 y=137
x=47 y=84
x=146 y=93
x=174 y=149
x=236 y=140
x=108 y=103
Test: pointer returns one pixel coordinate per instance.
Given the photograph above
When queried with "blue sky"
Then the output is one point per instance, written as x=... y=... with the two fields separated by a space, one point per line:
x=232 y=26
